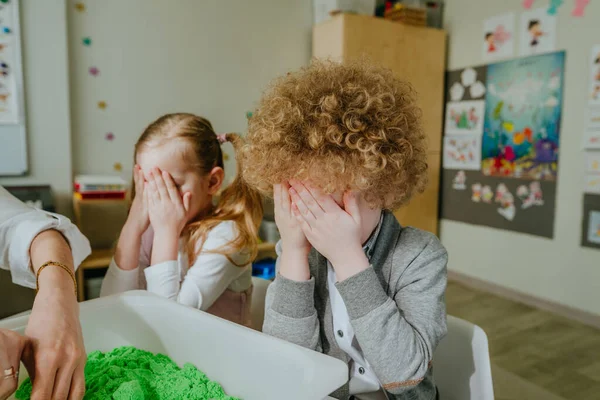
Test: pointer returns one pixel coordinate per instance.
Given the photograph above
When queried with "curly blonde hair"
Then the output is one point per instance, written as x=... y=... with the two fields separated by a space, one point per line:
x=351 y=126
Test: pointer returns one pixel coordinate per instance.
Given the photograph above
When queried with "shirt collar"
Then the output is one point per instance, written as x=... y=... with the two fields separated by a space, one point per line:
x=369 y=246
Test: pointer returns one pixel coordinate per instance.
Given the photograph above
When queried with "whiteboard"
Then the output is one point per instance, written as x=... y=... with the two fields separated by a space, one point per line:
x=13 y=141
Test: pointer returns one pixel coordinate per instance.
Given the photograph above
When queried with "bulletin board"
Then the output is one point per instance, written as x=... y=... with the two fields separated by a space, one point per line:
x=501 y=144
x=13 y=141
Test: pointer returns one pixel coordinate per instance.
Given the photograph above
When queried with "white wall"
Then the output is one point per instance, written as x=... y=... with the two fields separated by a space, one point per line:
x=44 y=35
x=207 y=57
x=558 y=270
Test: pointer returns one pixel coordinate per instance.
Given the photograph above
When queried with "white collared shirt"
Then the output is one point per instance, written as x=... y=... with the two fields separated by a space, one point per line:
x=362 y=377
x=19 y=225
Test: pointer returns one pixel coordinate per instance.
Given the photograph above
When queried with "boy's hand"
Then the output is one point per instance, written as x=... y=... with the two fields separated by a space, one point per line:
x=292 y=237
x=167 y=209
x=138 y=214
x=334 y=232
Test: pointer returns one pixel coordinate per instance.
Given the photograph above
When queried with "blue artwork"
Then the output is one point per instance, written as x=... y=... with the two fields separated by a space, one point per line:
x=522 y=117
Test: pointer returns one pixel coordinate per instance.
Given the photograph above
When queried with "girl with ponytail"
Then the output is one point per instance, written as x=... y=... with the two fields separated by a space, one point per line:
x=177 y=242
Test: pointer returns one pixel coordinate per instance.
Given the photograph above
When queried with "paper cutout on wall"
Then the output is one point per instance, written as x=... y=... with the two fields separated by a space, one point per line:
x=460 y=181
x=579 y=9
x=80 y=7
x=591 y=132
x=464 y=117
x=102 y=105
x=592 y=183
x=87 y=41
x=527 y=4
x=592 y=162
x=117 y=166
x=498 y=37
x=594 y=88
x=466 y=84
x=94 y=71
x=507 y=206
x=554 y=6
x=537 y=32
x=590 y=226
x=462 y=152
x=523 y=113
x=109 y=136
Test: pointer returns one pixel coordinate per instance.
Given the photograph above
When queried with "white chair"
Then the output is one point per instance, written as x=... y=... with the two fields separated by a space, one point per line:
x=257 y=308
x=461 y=366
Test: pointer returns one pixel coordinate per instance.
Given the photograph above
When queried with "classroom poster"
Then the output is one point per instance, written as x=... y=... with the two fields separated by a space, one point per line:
x=462 y=151
x=464 y=117
x=522 y=120
x=498 y=37
x=591 y=133
x=515 y=186
x=594 y=87
x=537 y=32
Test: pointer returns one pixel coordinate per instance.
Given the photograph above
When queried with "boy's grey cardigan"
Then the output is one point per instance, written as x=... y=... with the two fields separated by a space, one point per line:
x=396 y=308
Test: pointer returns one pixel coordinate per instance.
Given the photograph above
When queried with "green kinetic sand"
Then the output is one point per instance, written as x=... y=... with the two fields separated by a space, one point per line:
x=127 y=373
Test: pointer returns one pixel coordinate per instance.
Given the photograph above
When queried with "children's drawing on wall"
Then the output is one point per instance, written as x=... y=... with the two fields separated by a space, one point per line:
x=460 y=181
x=592 y=184
x=498 y=37
x=532 y=196
x=462 y=152
x=537 y=32
x=591 y=133
x=466 y=84
x=594 y=90
x=507 y=206
x=593 y=235
x=9 y=111
x=487 y=194
x=464 y=117
x=523 y=112
x=476 y=192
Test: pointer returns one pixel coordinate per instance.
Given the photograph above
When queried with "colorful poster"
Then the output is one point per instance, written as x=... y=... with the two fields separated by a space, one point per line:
x=522 y=117
x=591 y=133
x=462 y=152
x=537 y=32
x=464 y=117
x=498 y=37
x=594 y=89
x=9 y=101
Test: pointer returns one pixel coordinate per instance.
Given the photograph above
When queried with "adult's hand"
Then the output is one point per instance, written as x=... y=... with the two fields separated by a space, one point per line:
x=11 y=348
x=55 y=355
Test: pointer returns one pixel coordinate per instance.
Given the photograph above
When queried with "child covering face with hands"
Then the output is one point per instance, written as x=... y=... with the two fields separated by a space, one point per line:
x=340 y=145
x=175 y=242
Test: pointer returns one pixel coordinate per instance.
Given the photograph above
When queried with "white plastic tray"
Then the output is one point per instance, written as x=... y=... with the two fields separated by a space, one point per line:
x=248 y=364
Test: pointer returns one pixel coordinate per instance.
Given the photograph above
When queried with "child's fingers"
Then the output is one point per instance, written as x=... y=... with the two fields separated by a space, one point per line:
x=309 y=201
x=154 y=194
x=285 y=199
x=351 y=206
x=187 y=198
x=171 y=188
x=326 y=202
x=305 y=212
x=305 y=226
x=160 y=185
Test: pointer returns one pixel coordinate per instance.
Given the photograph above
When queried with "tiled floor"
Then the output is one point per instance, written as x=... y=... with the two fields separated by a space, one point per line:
x=535 y=355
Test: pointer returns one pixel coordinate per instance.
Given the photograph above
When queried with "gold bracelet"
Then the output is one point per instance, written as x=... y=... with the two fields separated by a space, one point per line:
x=56 y=264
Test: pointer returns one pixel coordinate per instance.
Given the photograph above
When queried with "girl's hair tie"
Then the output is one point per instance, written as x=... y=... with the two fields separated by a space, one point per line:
x=222 y=138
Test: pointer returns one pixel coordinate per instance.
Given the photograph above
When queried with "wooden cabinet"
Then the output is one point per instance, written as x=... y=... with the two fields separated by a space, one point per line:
x=415 y=54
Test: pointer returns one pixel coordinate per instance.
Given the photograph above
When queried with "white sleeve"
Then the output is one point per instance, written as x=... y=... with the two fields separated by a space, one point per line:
x=206 y=280
x=19 y=225
x=118 y=280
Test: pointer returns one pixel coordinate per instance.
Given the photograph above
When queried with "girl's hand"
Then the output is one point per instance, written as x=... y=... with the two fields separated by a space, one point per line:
x=167 y=210
x=292 y=237
x=334 y=232
x=11 y=348
x=138 y=214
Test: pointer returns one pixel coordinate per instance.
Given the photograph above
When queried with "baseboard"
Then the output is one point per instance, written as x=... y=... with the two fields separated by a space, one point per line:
x=575 y=314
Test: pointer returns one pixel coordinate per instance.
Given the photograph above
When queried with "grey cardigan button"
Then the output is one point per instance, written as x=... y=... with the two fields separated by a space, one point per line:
x=361 y=370
x=340 y=333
